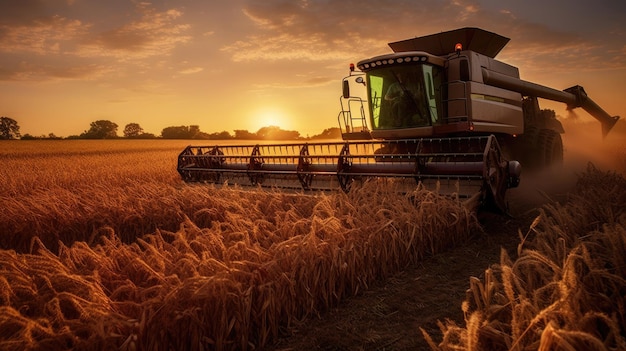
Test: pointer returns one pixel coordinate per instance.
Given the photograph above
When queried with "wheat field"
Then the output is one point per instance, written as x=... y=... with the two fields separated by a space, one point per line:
x=565 y=290
x=103 y=247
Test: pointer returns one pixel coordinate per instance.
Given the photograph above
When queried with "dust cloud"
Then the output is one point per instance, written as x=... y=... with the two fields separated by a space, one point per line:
x=582 y=144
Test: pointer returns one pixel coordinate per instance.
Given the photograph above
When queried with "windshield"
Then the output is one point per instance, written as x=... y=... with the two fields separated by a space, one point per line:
x=404 y=96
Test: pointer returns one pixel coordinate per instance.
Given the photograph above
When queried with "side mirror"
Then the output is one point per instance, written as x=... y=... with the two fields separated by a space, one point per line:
x=360 y=80
x=346 y=89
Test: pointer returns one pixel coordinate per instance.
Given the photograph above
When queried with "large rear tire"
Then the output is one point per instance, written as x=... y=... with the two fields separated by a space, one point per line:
x=550 y=145
x=528 y=150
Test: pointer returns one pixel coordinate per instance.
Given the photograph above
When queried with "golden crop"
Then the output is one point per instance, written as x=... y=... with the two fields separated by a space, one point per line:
x=565 y=290
x=104 y=247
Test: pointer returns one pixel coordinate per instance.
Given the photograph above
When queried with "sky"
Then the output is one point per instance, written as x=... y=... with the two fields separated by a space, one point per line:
x=245 y=64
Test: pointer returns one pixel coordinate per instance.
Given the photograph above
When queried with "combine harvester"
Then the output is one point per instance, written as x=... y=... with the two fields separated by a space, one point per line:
x=439 y=110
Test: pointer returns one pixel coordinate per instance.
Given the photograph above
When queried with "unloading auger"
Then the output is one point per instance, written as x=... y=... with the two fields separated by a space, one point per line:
x=440 y=111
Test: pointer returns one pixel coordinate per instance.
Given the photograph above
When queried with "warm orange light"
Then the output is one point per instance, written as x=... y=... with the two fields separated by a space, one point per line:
x=352 y=67
x=458 y=47
x=269 y=116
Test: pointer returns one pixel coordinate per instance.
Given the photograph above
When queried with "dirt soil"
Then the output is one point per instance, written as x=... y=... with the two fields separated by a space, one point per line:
x=388 y=315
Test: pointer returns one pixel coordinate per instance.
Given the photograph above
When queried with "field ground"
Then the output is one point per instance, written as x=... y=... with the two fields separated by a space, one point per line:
x=389 y=315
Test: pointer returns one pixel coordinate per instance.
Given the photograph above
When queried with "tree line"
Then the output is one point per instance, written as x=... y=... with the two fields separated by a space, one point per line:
x=104 y=129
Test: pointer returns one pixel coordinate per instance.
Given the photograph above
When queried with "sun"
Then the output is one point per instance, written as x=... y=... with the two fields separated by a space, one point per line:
x=266 y=117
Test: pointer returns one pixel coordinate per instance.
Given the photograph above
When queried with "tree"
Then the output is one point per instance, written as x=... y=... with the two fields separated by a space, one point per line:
x=276 y=133
x=224 y=135
x=9 y=128
x=194 y=131
x=329 y=133
x=179 y=132
x=244 y=134
x=182 y=132
x=132 y=130
x=28 y=137
x=101 y=129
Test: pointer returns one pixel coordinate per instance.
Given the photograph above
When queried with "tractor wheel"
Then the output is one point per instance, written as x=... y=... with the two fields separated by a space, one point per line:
x=529 y=151
x=550 y=148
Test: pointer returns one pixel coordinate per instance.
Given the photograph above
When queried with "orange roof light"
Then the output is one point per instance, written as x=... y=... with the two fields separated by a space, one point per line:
x=352 y=67
x=458 y=47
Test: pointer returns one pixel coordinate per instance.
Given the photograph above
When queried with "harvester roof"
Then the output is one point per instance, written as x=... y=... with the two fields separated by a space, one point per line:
x=475 y=39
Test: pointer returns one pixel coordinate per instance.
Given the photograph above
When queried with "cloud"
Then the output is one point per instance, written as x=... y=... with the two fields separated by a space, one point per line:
x=305 y=82
x=541 y=49
x=544 y=48
x=465 y=9
x=154 y=34
x=28 y=71
x=40 y=36
x=191 y=70
x=334 y=30
x=324 y=32
x=288 y=46
x=20 y=12
x=37 y=45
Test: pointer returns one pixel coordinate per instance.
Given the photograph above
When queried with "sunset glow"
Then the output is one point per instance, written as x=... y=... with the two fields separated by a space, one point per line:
x=246 y=64
x=268 y=116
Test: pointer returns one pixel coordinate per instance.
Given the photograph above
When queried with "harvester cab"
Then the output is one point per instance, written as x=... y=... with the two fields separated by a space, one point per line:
x=439 y=111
